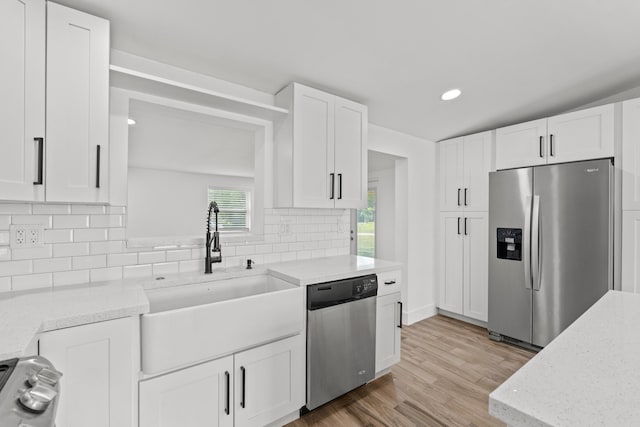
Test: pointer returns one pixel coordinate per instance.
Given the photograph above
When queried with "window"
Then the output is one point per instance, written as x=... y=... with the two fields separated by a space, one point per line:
x=235 y=208
x=366 y=223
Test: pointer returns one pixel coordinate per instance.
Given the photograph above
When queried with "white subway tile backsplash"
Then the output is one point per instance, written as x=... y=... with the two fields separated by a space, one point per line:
x=88 y=209
x=110 y=247
x=191 y=265
x=118 y=210
x=304 y=254
x=58 y=236
x=122 y=259
x=288 y=256
x=281 y=247
x=117 y=233
x=70 y=249
x=13 y=268
x=15 y=208
x=245 y=250
x=5 y=284
x=5 y=253
x=32 y=253
x=5 y=238
x=201 y=252
x=152 y=257
x=51 y=209
x=5 y=222
x=179 y=255
x=70 y=221
x=165 y=268
x=44 y=220
x=105 y=221
x=264 y=249
x=318 y=253
x=269 y=258
x=89 y=262
x=31 y=281
x=50 y=265
x=65 y=278
x=90 y=235
x=102 y=274
x=135 y=271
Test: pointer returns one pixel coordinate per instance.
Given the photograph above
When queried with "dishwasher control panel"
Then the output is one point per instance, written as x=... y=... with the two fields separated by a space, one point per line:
x=364 y=286
x=327 y=294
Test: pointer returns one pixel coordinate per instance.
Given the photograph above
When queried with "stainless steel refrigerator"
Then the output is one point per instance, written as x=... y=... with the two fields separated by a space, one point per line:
x=551 y=247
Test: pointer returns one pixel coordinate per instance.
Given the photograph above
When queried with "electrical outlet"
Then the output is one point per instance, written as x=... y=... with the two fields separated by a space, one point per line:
x=27 y=236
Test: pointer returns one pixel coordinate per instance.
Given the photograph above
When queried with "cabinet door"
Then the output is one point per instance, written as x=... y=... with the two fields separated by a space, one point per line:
x=269 y=382
x=451 y=262
x=97 y=363
x=313 y=151
x=201 y=395
x=476 y=275
x=351 y=124
x=451 y=183
x=631 y=154
x=581 y=135
x=388 y=327
x=476 y=166
x=524 y=144
x=22 y=77
x=631 y=251
x=77 y=106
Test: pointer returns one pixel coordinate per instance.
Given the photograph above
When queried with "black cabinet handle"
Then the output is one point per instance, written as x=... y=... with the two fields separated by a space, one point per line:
x=332 y=177
x=542 y=146
x=458 y=197
x=244 y=379
x=40 y=179
x=400 y=316
x=465 y=226
x=339 y=186
x=552 y=151
x=465 y=196
x=97 y=166
x=459 y=225
x=390 y=282
x=227 y=377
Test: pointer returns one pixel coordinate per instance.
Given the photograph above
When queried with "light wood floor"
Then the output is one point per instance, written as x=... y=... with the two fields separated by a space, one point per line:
x=447 y=371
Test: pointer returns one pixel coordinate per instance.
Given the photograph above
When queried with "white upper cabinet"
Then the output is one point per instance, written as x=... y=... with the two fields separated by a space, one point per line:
x=321 y=150
x=465 y=164
x=77 y=106
x=524 y=144
x=22 y=80
x=631 y=154
x=580 y=135
x=351 y=125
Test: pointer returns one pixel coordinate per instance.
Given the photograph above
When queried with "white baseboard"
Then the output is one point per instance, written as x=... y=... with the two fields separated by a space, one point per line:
x=418 y=314
x=463 y=318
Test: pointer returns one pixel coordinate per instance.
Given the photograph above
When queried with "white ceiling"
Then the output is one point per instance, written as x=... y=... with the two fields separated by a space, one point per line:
x=514 y=59
x=169 y=139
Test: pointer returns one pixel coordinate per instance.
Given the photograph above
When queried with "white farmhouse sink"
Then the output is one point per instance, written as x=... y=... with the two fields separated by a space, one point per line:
x=192 y=323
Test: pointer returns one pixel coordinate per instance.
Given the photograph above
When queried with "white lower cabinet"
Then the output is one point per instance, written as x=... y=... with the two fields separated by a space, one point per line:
x=388 y=327
x=98 y=365
x=631 y=251
x=463 y=264
x=251 y=388
x=197 y=396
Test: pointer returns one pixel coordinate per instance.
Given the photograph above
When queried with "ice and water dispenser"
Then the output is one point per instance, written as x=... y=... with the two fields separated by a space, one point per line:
x=510 y=243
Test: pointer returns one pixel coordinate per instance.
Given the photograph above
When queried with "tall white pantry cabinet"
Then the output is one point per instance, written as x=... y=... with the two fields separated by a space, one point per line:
x=56 y=71
x=630 y=277
x=464 y=165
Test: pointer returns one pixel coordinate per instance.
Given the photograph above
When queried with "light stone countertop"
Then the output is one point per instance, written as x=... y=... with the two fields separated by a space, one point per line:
x=24 y=315
x=588 y=376
x=318 y=270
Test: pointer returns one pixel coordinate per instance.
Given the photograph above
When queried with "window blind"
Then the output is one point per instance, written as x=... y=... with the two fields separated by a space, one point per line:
x=235 y=208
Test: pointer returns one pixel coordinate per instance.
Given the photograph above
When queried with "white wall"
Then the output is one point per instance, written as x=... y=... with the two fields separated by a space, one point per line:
x=384 y=182
x=172 y=204
x=415 y=183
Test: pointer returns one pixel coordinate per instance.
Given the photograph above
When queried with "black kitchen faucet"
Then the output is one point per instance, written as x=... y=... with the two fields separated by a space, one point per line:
x=215 y=239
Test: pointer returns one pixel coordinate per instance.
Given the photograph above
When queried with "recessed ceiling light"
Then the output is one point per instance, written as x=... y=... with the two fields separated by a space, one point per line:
x=451 y=94
x=131 y=122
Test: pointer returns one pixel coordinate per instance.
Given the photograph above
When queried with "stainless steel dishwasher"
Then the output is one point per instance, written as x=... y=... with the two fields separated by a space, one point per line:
x=341 y=337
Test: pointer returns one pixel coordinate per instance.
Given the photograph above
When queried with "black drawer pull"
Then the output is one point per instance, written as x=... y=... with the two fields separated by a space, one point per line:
x=226 y=408
x=97 y=166
x=390 y=282
x=40 y=179
x=244 y=380
x=400 y=316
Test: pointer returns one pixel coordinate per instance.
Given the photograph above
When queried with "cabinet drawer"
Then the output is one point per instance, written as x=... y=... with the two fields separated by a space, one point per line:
x=389 y=282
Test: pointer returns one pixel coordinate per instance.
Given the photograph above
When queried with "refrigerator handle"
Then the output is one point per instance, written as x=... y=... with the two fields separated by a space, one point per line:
x=535 y=243
x=526 y=244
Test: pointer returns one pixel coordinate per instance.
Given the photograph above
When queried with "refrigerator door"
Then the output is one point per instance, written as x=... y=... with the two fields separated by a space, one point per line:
x=510 y=198
x=574 y=241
